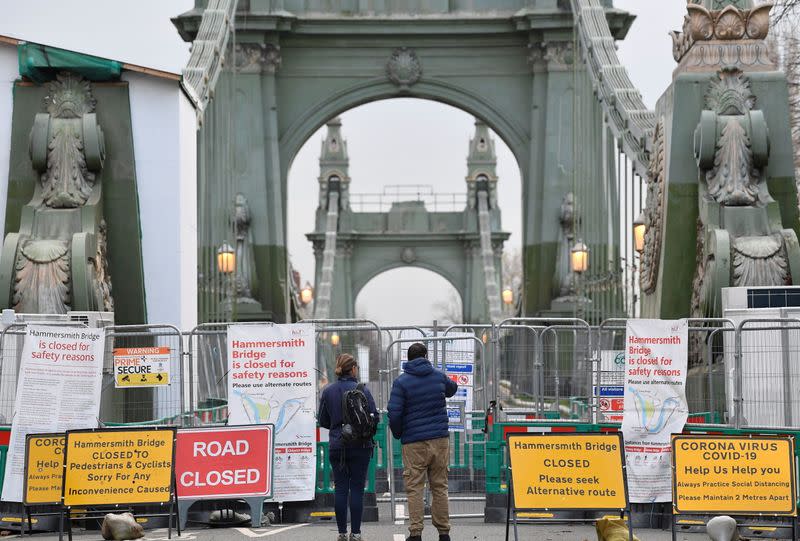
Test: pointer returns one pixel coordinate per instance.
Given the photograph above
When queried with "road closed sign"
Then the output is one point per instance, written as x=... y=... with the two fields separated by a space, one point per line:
x=118 y=466
x=734 y=475
x=567 y=471
x=225 y=462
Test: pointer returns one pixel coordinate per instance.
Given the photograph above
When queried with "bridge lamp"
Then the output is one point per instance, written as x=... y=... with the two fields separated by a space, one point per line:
x=639 y=230
x=508 y=296
x=226 y=259
x=580 y=257
x=334 y=339
x=306 y=294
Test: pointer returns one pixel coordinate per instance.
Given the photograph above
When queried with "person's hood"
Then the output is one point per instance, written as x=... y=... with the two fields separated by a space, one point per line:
x=419 y=367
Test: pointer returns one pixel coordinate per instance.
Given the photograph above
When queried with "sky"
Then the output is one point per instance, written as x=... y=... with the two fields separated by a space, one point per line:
x=392 y=142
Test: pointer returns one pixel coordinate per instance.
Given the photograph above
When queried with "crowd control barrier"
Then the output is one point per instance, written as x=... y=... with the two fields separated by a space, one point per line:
x=527 y=375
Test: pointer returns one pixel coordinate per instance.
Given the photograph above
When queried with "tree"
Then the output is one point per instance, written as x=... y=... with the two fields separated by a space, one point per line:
x=784 y=43
x=449 y=311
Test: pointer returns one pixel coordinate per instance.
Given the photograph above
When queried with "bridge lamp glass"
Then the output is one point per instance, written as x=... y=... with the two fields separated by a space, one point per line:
x=579 y=257
x=508 y=296
x=226 y=259
x=334 y=339
x=639 y=230
x=306 y=294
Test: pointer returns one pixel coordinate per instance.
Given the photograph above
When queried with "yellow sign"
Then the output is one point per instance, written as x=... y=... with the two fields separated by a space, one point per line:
x=44 y=468
x=567 y=471
x=125 y=466
x=734 y=475
x=141 y=367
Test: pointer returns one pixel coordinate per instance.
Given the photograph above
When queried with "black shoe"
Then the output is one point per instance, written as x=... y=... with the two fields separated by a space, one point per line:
x=444 y=537
x=414 y=538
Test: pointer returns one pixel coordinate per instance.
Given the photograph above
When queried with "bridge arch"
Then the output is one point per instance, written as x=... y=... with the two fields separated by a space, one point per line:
x=508 y=129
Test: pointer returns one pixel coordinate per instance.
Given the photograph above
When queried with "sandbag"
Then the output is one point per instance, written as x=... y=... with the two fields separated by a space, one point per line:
x=613 y=530
x=722 y=529
x=120 y=527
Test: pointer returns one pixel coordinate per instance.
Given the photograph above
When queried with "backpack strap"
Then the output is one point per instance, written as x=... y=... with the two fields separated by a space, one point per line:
x=360 y=387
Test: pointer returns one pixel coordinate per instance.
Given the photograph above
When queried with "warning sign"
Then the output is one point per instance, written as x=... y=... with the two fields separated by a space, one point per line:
x=141 y=367
x=44 y=468
x=734 y=475
x=224 y=462
x=567 y=471
x=125 y=466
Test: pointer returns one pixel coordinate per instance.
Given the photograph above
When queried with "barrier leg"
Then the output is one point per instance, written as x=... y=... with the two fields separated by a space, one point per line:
x=171 y=515
x=183 y=512
x=630 y=524
x=672 y=526
x=61 y=525
x=256 y=511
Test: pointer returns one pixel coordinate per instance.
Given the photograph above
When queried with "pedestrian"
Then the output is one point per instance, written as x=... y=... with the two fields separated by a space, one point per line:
x=418 y=418
x=350 y=444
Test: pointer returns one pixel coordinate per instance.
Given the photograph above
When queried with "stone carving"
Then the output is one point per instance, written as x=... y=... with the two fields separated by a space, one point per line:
x=731 y=146
x=255 y=57
x=61 y=265
x=729 y=23
x=558 y=55
x=404 y=68
x=759 y=260
x=734 y=179
x=41 y=283
x=408 y=256
x=654 y=211
x=67 y=180
x=245 y=260
x=566 y=219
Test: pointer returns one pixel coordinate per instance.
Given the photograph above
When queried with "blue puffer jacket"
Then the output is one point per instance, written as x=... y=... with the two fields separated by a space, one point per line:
x=417 y=407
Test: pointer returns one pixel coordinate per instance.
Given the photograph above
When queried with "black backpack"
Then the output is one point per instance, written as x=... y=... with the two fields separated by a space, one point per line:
x=358 y=424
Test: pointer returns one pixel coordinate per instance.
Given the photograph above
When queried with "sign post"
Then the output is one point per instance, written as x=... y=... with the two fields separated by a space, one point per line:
x=734 y=475
x=233 y=462
x=566 y=472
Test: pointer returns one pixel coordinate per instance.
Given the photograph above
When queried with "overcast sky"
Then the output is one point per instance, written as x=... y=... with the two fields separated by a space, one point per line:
x=391 y=142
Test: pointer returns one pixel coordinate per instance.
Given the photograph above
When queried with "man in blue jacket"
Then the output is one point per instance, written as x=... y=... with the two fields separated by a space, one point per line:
x=418 y=418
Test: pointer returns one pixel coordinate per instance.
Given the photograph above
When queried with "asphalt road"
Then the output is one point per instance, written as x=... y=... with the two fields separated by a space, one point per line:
x=463 y=531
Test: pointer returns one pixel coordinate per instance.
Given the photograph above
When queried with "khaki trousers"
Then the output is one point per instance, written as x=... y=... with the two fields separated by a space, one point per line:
x=429 y=458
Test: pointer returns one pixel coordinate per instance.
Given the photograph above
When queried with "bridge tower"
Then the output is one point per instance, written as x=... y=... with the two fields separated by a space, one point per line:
x=458 y=237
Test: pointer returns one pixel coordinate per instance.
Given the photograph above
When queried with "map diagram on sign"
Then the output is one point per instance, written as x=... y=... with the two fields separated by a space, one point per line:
x=261 y=409
x=653 y=414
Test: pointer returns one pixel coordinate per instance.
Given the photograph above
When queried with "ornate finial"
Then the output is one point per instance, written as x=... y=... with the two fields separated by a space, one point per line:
x=254 y=57
x=404 y=68
x=721 y=20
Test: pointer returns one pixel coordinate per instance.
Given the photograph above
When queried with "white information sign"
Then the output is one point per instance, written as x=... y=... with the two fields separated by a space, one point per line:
x=656 y=353
x=272 y=379
x=58 y=389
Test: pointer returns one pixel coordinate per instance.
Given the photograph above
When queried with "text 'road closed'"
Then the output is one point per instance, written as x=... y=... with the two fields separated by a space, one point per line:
x=581 y=471
x=732 y=474
x=224 y=462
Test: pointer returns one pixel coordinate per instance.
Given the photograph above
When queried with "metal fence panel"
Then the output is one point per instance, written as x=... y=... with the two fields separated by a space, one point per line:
x=467 y=463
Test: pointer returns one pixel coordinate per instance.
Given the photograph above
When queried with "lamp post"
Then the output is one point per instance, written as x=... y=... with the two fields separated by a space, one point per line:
x=639 y=230
x=579 y=257
x=306 y=294
x=226 y=259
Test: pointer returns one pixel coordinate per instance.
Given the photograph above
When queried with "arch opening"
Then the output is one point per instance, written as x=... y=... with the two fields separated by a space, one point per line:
x=407 y=146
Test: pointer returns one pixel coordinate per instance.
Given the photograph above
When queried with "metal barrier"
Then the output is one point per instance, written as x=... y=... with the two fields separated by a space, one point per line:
x=136 y=405
x=467 y=453
x=766 y=373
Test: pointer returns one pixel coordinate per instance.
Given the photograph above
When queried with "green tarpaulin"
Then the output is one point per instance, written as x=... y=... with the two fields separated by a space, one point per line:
x=41 y=63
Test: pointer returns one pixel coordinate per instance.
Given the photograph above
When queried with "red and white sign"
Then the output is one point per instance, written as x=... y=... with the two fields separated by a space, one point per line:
x=224 y=462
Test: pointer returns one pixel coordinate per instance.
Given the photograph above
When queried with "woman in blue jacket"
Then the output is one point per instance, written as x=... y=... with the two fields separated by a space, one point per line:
x=349 y=462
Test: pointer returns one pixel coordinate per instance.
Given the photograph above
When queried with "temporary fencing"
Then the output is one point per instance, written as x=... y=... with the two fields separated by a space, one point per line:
x=525 y=372
x=466 y=478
